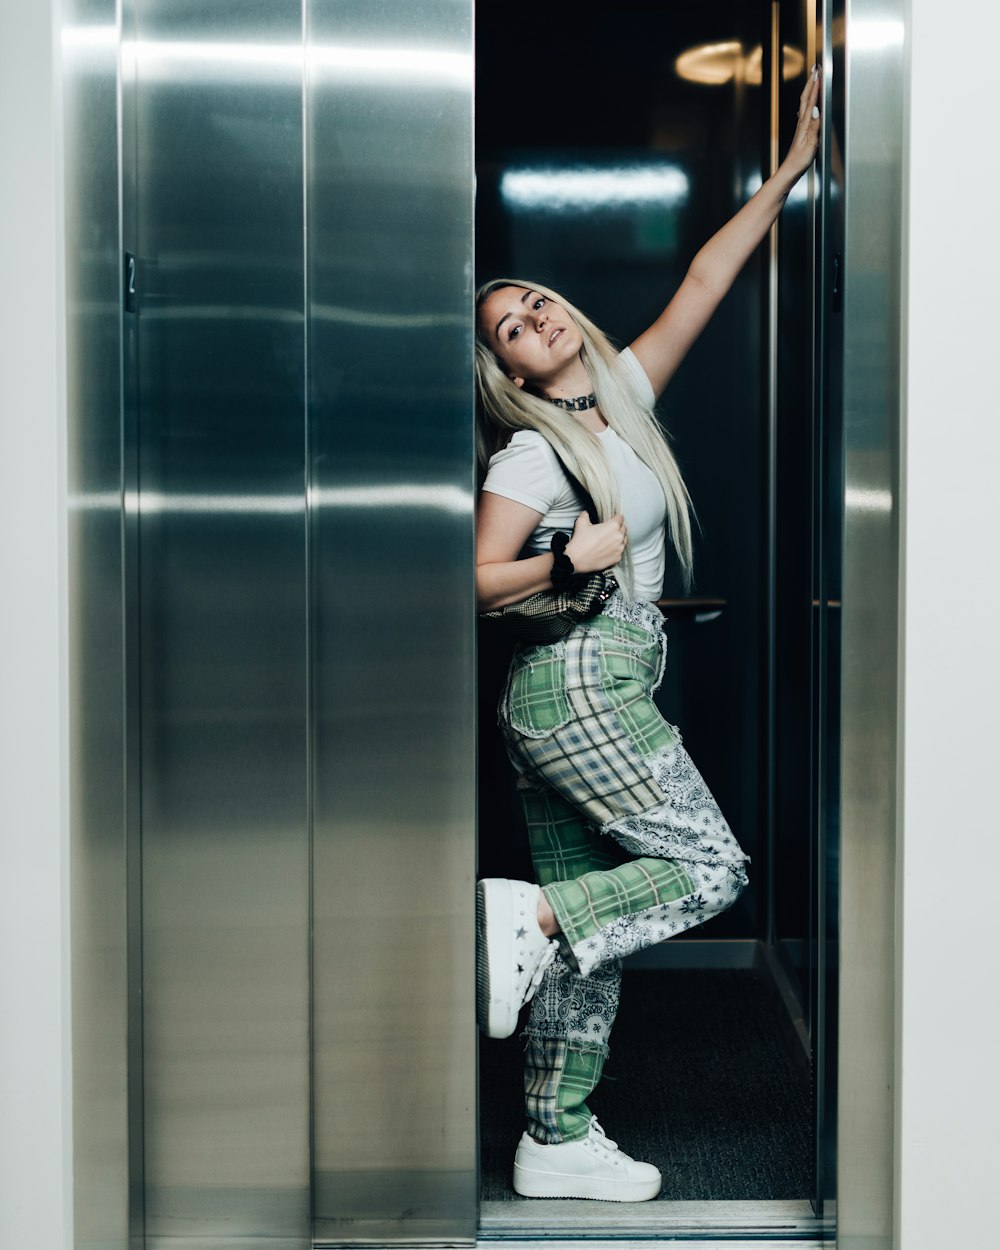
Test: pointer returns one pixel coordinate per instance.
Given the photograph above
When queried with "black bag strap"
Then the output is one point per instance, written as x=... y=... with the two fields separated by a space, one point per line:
x=579 y=487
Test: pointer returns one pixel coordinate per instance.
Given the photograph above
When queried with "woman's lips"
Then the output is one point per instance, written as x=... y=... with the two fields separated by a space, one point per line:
x=554 y=335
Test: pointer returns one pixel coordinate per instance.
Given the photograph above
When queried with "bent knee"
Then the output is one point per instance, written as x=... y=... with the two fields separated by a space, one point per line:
x=720 y=884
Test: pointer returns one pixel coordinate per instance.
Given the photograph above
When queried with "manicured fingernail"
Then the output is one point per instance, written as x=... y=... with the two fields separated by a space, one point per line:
x=815 y=111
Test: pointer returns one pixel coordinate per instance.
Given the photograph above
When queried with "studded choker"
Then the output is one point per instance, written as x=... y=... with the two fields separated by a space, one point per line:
x=580 y=404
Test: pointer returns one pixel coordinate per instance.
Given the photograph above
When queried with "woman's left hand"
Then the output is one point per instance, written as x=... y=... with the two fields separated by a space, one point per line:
x=802 y=151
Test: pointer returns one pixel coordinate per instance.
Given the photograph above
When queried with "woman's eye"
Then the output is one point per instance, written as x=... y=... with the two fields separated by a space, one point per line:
x=538 y=302
x=514 y=331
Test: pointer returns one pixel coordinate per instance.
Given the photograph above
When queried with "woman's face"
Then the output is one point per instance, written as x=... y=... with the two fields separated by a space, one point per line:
x=534 y=337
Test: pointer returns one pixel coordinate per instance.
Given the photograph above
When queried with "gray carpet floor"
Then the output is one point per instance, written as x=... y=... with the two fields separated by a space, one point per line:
x=700 y=1082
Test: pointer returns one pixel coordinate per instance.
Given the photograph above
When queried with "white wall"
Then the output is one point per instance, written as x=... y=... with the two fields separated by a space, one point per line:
x=35 y=1204
x=949 y=1157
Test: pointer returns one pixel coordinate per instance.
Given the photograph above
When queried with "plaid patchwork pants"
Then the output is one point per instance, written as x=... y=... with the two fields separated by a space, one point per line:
x=627 y=841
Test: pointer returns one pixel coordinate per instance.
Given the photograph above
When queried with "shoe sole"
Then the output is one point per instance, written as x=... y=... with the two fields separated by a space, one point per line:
x=493 y=1020
x=482 y=963
x=549 y=1185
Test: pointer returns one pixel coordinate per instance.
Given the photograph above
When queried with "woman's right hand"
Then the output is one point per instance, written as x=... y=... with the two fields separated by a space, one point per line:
x=594 y=548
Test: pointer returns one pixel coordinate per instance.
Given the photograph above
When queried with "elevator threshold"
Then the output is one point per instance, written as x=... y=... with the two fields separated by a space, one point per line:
x=572 y=1221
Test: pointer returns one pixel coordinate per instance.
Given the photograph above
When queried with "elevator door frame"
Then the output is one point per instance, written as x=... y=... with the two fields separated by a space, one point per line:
x=868 y=720
x=857 y=457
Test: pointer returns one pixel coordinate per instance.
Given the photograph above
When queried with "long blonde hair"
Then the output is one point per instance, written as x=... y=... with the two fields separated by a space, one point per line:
x=505 y=407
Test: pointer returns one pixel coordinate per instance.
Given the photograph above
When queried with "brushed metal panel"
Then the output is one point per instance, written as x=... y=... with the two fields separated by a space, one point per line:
x=389 y=299
x=655 y=1224
x=825 y=597
x=97 y=723
x=873 y=187
x=221 y=539
x=132 y=617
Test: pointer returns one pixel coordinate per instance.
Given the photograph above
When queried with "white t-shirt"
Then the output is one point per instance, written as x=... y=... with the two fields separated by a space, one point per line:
x=527 y=471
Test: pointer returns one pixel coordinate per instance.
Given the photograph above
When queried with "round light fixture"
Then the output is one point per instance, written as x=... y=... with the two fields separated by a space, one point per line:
x=714 y=64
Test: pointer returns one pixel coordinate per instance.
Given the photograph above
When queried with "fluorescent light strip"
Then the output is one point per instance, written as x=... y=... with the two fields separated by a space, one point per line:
x=868 y=500
x=152 y=503
x=446 y=498
x=622 y=187
x=161 y=58
x=166 y=61
x=85 y=37
x=875 y=35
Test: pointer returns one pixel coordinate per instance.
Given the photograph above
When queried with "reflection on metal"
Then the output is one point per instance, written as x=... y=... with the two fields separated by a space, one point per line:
x=780 y=1225
x=387 y=319
x=445 y=497
x=190 y=502
x=770 y=595
x=806 y=552
x=799 y=194
x=581 y=188
x=715 y=64
x=448 y=498
x=390 y=493
x=827 y=558
x=97 y=815
x=87 y=48
x=875 y=31
x=869 y=498
x=152 y=502
x=875 y=189
x=196 y=61
x=129 y=418
x=219 y=539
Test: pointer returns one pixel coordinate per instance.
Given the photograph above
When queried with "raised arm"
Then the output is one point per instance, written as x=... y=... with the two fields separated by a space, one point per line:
x=662 y=347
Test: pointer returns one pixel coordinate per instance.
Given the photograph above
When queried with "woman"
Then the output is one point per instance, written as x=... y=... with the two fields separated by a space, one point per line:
x=628 y=845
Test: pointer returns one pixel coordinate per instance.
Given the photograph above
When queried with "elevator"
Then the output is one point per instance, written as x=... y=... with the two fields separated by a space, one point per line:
x=278 y=212
x=606 y=193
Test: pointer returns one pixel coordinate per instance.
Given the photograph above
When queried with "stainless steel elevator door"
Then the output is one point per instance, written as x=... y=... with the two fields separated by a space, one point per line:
x=301 y=452
x=222 y=621
x=97 y=815
x=391 y=496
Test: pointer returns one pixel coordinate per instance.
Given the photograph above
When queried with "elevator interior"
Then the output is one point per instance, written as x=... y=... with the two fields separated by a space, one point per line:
x=603 y=186
x=271 y=463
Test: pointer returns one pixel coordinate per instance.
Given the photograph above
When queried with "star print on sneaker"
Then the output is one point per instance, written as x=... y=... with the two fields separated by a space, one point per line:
x=512 y=952
x=593 y=1167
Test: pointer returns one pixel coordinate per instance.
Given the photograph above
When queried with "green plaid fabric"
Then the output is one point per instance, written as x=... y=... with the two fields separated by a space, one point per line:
x=599 y=899
x=563 y=843
x=557 y=1082
x=581 y=726
x=589 y=880
x=580 y=1010
x=538 y=702
x=571 y=1016
x=583 y=709
x=626 y=840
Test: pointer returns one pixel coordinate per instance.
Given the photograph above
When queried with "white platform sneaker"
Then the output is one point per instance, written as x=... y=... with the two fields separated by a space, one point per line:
x=512 y=954
x=593 y=1167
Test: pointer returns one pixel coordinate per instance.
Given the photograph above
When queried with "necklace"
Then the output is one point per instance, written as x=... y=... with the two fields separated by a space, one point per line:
x=580 y=404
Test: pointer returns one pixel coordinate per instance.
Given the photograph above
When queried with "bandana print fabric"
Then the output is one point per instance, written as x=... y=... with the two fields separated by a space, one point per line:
x=590 y=745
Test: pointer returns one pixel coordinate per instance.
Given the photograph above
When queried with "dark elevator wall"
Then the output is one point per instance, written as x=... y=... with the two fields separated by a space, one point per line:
x=599 y=94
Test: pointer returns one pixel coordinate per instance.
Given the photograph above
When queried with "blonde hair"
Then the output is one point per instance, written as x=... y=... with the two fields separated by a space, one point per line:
x=505 y=407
